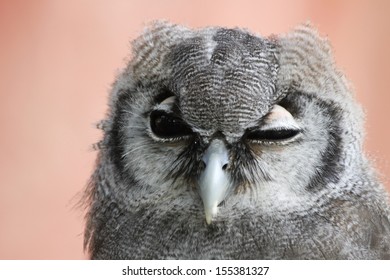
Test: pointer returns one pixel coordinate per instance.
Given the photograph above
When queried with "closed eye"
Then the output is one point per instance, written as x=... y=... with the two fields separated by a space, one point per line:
x=277 y=127
x=272 y=135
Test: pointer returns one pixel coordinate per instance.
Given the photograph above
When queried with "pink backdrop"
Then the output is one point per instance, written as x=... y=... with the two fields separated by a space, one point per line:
x=58 y=59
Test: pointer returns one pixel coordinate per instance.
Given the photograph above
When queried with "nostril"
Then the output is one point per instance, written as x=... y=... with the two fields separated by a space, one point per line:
x=225 y=166
x=222 y=203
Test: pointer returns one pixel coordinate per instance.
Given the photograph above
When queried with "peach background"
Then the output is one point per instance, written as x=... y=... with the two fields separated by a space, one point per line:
x=58 y=59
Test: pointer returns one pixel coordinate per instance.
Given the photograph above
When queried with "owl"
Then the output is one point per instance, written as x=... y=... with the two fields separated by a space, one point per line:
x=222 y=144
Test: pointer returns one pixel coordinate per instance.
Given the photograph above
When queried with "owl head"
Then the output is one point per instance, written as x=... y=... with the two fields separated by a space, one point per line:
x=222 y=121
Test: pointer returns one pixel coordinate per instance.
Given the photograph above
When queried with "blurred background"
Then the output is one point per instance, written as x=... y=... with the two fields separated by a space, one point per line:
x=59 y=58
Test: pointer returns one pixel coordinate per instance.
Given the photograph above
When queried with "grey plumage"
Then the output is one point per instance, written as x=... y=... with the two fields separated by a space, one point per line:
x=271 y=118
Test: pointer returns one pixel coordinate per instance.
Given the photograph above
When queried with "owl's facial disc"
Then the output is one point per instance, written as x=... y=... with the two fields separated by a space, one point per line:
x=214 y=182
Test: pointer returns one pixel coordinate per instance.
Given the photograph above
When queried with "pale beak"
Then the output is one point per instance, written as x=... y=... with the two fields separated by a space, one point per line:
x=214 y=181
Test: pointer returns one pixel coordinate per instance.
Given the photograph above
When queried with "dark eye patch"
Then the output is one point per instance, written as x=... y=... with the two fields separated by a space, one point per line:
x=168 y=126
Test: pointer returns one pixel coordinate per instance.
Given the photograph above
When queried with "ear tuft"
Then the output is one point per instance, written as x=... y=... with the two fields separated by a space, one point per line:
x=307 y=37
x=157 y=34
x=151 y=47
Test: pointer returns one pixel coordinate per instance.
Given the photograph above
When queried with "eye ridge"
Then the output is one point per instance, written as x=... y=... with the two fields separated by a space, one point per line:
x=278 y=134
x=168 y=126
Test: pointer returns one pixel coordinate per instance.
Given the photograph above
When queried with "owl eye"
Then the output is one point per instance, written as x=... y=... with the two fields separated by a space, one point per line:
x=168 y=126
x=277 y=126
x=272 y=135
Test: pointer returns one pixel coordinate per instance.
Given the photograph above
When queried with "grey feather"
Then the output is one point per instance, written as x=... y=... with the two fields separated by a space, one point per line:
x=300 y=189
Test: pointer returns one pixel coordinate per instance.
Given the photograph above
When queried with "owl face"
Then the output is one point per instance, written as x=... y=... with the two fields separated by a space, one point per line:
x=220 y=120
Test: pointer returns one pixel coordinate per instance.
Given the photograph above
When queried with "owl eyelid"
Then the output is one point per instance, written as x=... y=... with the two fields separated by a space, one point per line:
x=280 y=126
x=279 y=135
x=277 y=127
x=278 y=119
x=168 y=105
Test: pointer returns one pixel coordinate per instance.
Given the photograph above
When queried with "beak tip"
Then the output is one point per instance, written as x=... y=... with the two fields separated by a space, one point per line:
x=210 y=213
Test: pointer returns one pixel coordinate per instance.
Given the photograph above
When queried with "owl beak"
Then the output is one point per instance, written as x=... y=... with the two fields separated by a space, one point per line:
x=214 y=181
